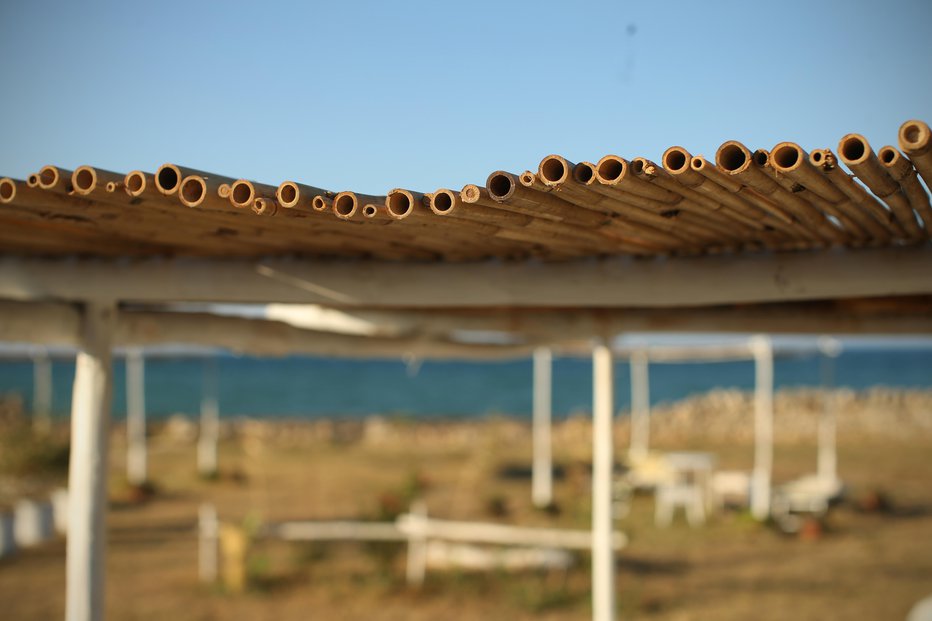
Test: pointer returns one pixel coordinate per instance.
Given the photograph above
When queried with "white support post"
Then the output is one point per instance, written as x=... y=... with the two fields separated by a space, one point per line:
x=136 y=452
x=542 y=469
x=87 y=474
x=640 y=405
x=416 y=568
x=210 y=421
x=42 y=390
x=208 y=543
x=827 y=469
x=603 y=557
x=763 y=427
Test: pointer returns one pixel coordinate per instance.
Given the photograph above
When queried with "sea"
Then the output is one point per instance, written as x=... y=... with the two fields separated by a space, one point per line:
x=309 y=387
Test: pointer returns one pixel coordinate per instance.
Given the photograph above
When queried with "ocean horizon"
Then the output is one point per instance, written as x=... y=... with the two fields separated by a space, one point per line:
x=310 y=387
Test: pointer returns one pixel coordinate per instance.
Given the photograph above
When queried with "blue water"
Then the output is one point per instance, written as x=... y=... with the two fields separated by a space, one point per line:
x=311 y=387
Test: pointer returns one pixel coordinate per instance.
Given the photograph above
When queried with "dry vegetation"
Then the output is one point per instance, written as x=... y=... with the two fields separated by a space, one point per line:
x=866 y=564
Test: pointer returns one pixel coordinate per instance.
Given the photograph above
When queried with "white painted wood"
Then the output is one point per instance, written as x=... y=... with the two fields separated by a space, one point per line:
x=209 y=432
x=87 y=473
x=542 y=467
x=603 y=557
x=33 y=522
x=59 y=498
x=827 y=467
x=763 y=427
x=416 y=521
x=136 y=449
x=339 y=530
x=42 y=390
x=640 y=404
x=621 y=282
x=208 y=543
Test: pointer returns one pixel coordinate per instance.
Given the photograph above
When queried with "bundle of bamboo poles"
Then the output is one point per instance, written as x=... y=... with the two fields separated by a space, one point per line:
x=784 y=198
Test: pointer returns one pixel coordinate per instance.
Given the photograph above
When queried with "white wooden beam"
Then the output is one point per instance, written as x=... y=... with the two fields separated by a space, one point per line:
x=616 y=282
x=542 y=463
x=603 y=557
x=87 y=472
x=136 y=450
x=763 y=427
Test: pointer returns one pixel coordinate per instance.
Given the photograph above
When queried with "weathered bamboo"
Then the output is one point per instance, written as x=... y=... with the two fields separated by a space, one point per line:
x=858 y=156
x=265 y=206
x=244 y=192
x=86 y=180
x=915 y=139
x=504 y=188
x=204 y=192
x=168 y=177
x=321 y=203
x=55 y=179
x=736 y=160
x=289 y=194
x=902 y=171
x=826 y=162
x=33 y=180
x=613 y=172
x=347 y=204
x=223 y=190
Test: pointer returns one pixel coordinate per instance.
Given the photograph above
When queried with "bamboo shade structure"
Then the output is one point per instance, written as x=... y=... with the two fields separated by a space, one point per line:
x=786 y=198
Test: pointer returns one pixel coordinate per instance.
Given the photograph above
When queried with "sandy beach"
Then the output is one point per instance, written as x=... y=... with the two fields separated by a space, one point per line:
x=869 y=558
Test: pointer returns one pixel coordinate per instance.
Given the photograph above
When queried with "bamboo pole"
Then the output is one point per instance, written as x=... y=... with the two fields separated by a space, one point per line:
x=290 y=194
x=168 y=177
x=915 y=139
x=504 y=188
x=87 y=180
x=197 y=191
x=244 y=192
x=734 y=159
x=789 y=159
x=55 y=179
x=826 y=162
x=33 y=180
x=902 y=171
x=856 y=153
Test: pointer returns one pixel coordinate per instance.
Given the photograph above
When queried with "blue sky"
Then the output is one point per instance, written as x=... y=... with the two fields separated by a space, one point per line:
x=374 y=95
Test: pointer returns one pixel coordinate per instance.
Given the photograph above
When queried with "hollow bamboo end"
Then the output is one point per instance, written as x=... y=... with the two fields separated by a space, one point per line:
x=675 y=160
x=820 y=158
x=192 y=191
x=584 y=173
x=611 y=169
x=854 y=149
x=320 y=203
x=915 y=137
x=400 y=203
x=48 y=177
x=501 y=185
x=370 y=211
x=554 y=170
x=112 y=187
x=733 y=157
x=7 y=190
x=470 y=193
x=787 y=156
x=84 y=180
x=264 y=207
x=761 y=157
x=527 y=179
x=640 y=166
x=442 y=202
x=223 y=190
x=32 y=180
x=167 y=179
x=345 y=205
x=288 y=194
x=242 y=193
x=134 y=183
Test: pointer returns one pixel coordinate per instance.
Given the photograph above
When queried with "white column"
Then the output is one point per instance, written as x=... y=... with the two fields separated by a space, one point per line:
x=763 y=427
x=210 y=421
x=416 y=568
x=42 y=390
x=603 y=557
x=828 y=455
x=208 y=543
x=136 y=454
x=542 y=470
x=640 y=404
x=87 y=474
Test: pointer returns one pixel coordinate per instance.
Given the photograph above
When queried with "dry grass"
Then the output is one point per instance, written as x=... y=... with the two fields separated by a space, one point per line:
x=867 y=565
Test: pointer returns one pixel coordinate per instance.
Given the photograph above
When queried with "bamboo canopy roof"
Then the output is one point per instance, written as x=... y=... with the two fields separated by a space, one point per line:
x=741 y=201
